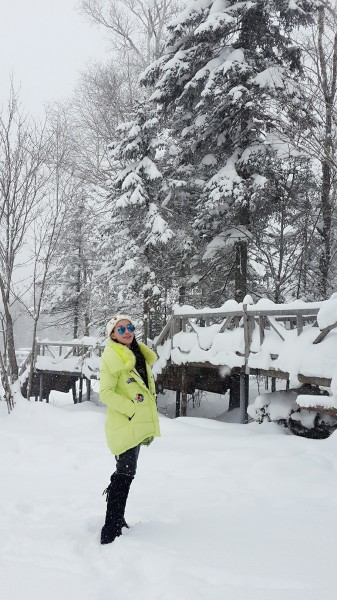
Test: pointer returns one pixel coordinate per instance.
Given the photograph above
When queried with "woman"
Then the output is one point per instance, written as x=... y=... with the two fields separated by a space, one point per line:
x=127 y=388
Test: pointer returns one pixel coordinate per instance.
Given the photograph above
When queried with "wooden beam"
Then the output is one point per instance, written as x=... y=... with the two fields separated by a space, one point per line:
x=226 y=324
x=210 y=315
x=284 y=312
x=183 y=399
x=244 y=397
x=262 y=324
x=163 y=334
x=299 y=324
x=275 y=328
x=314 y=380
x=178 y=403
x=324 y=333
x=40 y=387
x=329 y=411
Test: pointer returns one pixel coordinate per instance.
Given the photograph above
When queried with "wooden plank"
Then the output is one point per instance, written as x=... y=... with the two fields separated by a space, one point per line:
x=290 y=312
x=215 y=315
x=183 y=398
x=226 y=324
x=286 y=312
x=244 y=396
x=262 y=324
x=314 y=380
x=164 y=333
x=275 y=328
x=324 y=333
x=329 y=411
x=246 y=334
x=299 y=324
x=270 y=373
x=68 y=354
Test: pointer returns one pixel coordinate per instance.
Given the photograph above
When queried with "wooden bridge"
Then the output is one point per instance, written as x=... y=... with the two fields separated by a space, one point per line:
x=59 y=365
x=217 y=350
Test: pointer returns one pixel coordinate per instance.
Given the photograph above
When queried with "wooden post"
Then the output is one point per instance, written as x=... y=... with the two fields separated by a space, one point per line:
x=262 y=324
x=73 y=389
x=244 y=397
x=80 y=393
x=299 y=324
x=88 y=382
x=183 y=400
x=234 y=392
x=247 y=331
x=41 y=388
x=177 y=403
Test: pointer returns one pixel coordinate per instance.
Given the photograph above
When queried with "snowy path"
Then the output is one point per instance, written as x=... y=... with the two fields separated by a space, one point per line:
x=217 y=511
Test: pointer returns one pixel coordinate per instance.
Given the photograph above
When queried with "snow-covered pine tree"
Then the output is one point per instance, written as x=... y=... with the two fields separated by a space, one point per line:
x=226 y=82
x=138 y=231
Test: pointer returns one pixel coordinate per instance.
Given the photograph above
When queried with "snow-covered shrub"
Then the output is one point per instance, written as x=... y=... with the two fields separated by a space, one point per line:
x=281 y=407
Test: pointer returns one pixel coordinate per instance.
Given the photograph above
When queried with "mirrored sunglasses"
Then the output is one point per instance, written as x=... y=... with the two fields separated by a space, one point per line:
x=122 y=329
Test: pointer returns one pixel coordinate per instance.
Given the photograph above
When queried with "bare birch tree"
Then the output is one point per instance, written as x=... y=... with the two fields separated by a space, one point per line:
x=22 y=154
x=320 y=49
x=136 y=27
x=48 y=223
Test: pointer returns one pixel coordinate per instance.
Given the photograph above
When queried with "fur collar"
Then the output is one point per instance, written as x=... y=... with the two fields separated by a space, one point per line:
x=123 y=359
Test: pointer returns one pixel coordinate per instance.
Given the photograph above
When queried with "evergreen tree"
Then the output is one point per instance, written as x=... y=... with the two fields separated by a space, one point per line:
x=138 y=232
x=226 y=82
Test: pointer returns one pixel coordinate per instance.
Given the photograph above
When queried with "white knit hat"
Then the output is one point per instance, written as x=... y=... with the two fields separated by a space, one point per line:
x=114 y=320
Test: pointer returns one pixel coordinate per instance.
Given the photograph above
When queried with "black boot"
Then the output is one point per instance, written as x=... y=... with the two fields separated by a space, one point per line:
x=117 y=495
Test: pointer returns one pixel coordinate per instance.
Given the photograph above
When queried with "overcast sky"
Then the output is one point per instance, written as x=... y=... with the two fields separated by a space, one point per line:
x=45 y=44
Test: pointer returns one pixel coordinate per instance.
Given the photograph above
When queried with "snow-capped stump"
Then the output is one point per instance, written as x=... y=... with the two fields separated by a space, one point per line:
x=311 y=417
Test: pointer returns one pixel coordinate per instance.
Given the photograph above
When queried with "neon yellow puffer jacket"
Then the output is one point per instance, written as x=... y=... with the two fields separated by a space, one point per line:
x=124 y=392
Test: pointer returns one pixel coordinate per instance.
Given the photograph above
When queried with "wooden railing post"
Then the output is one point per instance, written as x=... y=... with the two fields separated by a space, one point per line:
x=178 y=403
x=262 y=324
x=183 y=400
x=299 y=324
x=244 y=397
x=247 y=336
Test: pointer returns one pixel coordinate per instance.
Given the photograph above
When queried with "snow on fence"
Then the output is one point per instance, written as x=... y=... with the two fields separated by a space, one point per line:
x=295 y=341
x=78 y=357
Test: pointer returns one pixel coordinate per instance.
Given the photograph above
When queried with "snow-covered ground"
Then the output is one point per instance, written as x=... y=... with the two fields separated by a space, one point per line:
x=218 y=510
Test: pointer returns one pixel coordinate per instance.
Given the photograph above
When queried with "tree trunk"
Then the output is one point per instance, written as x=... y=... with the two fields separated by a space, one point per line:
x=32 y=362
x=325 y=257
x=241 y=256
x=6 y=385
x=146 y=317
x=328 y=84
x=77 y=303
x=9 y=328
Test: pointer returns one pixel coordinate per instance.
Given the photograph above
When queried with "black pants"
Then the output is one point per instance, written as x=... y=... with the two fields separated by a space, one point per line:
x=126 y=463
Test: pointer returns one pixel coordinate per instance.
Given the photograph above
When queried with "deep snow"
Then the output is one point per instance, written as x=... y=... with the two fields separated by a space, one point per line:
x=218 y=510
